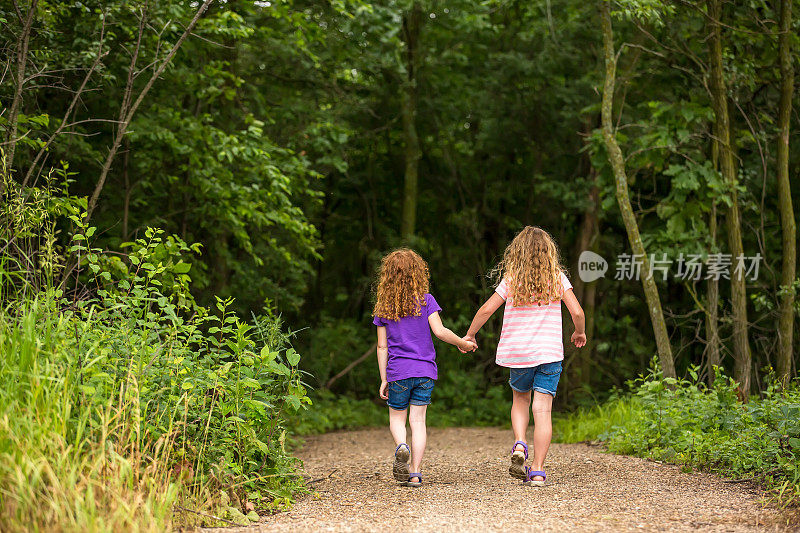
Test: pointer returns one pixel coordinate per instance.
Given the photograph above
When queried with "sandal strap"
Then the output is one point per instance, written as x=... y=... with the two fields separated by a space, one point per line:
x=400 y=446
x=534 y=473
x=524 y=447
x=416 y=475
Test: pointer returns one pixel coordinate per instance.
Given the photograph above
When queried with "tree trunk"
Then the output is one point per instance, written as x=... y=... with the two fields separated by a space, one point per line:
x=19 y=82
x=129 y=109
x=712 y=309
x=620 y=177
x=408 y=97
x=788 y=227
x=585 y=292
x=126 y=201
x=719 y=96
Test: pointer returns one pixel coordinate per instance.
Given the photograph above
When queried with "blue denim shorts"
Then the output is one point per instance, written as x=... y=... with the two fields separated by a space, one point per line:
x=543 y=378
x=416 y=391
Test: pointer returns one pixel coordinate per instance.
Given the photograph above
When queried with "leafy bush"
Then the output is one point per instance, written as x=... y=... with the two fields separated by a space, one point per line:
x=125 y=405
x=687 y=423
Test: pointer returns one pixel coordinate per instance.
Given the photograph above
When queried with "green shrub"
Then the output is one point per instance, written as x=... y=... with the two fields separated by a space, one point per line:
x=685 y=422
x=125 y=405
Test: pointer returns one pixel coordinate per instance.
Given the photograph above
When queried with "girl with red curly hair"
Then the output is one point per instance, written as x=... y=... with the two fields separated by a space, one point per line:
x=406 y=313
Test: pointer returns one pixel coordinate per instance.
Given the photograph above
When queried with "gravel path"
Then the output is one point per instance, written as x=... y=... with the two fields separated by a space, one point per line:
x=467 y=488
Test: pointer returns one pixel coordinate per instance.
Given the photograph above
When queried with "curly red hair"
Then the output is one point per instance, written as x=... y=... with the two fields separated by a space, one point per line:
x=403 y=280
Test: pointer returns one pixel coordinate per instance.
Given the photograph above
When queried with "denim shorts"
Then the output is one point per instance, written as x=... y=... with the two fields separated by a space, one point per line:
x=416 y=391
x=542 y=378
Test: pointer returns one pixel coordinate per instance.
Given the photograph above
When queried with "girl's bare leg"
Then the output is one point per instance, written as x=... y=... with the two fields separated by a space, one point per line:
x=419 y=435
x=520 y=415
x=397 y=425
x=542 y=429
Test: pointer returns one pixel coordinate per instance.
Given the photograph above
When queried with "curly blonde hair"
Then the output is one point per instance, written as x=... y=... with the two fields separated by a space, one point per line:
x=532 y=268
x=403 y=280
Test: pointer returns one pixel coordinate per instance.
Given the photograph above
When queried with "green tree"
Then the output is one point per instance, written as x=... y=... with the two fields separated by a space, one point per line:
x=618 y=164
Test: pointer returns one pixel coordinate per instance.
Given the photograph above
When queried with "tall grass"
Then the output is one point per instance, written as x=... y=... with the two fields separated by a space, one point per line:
x=124 y=405
x=590 y=424
x=58 y=472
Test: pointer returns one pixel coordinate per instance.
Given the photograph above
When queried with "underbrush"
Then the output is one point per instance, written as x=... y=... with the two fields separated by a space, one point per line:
x=685 y=422
x=460 y=398
x=124 y=405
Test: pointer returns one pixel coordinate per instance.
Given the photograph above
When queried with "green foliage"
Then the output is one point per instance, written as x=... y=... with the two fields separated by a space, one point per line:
x=131 y=391
x=200 y=159
x=588 y=423
x=685 y=422
x=273 y=139
x=460 y=398
x=332 y=412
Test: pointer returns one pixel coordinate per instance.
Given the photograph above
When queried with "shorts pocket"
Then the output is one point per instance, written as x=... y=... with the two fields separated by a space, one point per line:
x=397 y=386
x=551 y=369
x=427 y=384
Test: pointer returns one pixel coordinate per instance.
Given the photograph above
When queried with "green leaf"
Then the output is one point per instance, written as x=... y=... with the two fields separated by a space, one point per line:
x=181 y=268
x=292 y=356
x=250 y=383
x=268 y=355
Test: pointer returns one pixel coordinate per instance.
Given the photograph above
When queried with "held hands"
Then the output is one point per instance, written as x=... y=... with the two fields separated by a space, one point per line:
x=382 y=391
x=578 y=339
x=467 y=344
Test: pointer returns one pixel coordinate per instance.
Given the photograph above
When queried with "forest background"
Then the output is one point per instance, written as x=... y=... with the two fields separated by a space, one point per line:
x=281 y=147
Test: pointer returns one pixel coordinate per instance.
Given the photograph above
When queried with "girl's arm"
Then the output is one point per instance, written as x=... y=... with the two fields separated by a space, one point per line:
x=443 y=333
x=483 y=314
x=383 y=357
x=579 y=335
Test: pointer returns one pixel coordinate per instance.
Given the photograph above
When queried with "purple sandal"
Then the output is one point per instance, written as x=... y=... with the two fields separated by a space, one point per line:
x=400 y=468
x=535 y=482
x=518 y=469
x=410 y=483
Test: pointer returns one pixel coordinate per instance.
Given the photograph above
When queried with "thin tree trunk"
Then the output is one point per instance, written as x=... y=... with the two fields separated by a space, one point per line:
x=351 y=366
x=712 y=309
x=588 y=291
x=585 y=292
x=620 y=176
x=408 y=96
x=75 y=99
x=788 y=226
x=719 y=95
x=21 y=63
x=126 y=202
x=587 y=237
x=130 y=111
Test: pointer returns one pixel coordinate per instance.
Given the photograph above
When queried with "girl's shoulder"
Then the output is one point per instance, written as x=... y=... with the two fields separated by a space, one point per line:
x=564 y=280
x=431 y=305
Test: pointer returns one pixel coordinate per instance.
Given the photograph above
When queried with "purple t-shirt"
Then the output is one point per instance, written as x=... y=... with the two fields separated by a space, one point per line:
x=411 y=352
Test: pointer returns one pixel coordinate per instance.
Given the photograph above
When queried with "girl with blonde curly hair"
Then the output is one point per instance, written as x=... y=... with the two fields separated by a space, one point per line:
x=406 y=313
x=532 y=286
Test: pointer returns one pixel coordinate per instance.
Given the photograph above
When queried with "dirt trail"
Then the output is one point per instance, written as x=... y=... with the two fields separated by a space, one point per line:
x=467 y=488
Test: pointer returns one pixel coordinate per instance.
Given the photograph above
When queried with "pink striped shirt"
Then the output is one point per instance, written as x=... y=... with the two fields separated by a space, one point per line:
x=531 y=335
